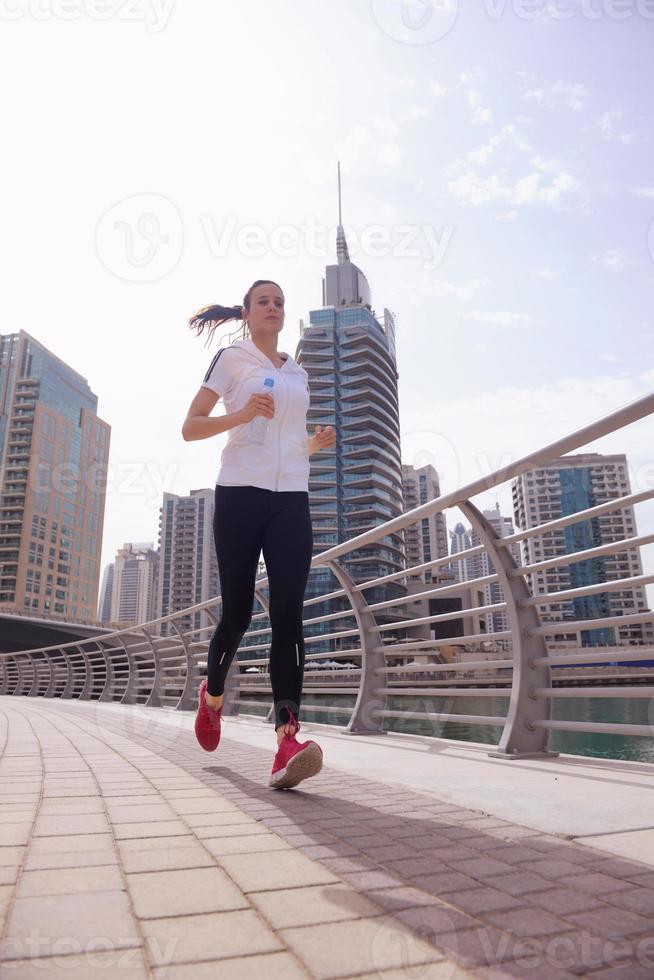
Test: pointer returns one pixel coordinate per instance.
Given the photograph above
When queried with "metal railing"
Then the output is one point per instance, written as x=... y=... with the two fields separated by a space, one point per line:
x=139 y=665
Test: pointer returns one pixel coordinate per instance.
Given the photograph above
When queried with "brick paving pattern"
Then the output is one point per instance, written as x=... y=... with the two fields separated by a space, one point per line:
x=126 y=849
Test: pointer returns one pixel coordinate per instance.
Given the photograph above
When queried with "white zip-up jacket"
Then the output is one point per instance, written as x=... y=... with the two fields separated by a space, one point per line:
x=282 y=462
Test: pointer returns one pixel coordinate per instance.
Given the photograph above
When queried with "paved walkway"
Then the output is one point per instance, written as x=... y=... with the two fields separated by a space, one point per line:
x=127 y=850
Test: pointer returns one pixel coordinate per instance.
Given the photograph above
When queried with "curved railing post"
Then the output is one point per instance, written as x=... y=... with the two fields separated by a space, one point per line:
x=186 y=701
x=520 y=739
x=154 y=698
x=362 y=720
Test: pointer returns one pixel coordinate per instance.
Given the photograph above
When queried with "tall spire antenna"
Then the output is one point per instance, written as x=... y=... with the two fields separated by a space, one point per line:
x=342 y=253
x=340 y=220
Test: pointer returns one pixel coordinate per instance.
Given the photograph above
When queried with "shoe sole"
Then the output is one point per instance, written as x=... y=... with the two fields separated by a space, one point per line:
x=305 y=763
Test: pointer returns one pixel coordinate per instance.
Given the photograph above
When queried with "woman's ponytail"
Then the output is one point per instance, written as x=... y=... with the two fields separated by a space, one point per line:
x=211 y=317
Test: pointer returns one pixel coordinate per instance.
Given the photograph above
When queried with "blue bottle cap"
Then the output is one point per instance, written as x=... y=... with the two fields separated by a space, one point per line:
x=269 y=382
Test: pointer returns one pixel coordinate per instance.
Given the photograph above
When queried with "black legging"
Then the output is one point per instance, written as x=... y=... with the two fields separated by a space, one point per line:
x=246 y=520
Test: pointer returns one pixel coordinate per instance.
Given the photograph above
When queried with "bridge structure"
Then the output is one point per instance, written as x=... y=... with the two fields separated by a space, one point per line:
x=407 y=851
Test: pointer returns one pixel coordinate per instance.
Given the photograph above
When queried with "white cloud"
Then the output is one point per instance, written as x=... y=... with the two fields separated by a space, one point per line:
x=645 y=192
x=506 y=216
x=554 y=95
x=546 y=183
x=471 y=188
x=428 y=287
x=612 y=259
x=469 y=83
x=438 y=90
x=607 y=125
x=501 y=318
x=544 y=273
x=609 y=358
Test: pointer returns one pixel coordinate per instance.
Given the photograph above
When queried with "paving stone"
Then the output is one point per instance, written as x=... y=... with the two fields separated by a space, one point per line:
x=527 y=921
x=561 y=901
x=160 y=828
x=216 y=935
x=15 y=834
x=371 y=879
x=212 y=804
x=639 y=900
x=483 y=898
x=446 y=881
x=519 y=883
x=264 y=871
x=612 y=922
x=481 y=867
x=85 y=823
x=594 y=883
x=128 y=964
x=341 y=949
x=286 y=908
x=166 y=859
x=71 y=859
x=554 y=868
x=272 y=966
x=154 y=813
x=250 y=844
x=63 y=881
x=183 y=892
x=77 y=842
x=36 y=925
x=411 y=867
x=395 y=899
x=10 y=855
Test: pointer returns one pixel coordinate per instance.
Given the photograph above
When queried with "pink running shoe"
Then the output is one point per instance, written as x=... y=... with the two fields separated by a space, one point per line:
x=295 y=760
x=207 y=722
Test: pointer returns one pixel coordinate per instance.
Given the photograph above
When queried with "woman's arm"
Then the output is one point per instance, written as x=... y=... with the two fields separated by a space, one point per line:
x=198 y=424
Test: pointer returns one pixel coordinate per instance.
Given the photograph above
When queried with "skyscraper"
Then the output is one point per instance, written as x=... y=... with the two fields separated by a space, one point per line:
x=427 y=538
x=567 y=486
x=349 y=355
x=53 y=466
x=106 y=592
x=503 y=527
x=134 y=588
x=188 y=566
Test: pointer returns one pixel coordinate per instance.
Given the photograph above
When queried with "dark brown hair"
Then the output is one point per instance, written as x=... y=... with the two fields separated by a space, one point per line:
x=211 y=317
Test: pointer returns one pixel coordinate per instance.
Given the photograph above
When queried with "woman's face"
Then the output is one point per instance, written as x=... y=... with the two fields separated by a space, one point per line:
x=266 y=314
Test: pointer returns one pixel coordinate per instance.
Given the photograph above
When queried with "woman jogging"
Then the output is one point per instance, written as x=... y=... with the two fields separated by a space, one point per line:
x=261 y=503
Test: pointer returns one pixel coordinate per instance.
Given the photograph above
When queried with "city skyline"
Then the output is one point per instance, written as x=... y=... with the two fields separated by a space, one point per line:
x=507 y=164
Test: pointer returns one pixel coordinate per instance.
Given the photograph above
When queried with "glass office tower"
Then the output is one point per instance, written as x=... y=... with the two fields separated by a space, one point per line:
x=53 y=469
x=349 y=355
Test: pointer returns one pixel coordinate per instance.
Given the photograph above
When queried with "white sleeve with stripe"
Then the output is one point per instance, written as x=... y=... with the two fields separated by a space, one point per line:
x=219 y=378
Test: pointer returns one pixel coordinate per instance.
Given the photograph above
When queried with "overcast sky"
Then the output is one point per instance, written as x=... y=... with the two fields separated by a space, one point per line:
x=498 y=192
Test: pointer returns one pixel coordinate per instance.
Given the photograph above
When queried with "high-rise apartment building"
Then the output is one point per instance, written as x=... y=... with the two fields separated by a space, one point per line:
x=426 y=539
x=466 y=568
x=566 y=486
x=53 y=465
x=134 y=589
x=483 y=566
x=188 y=566
x=106 y=592
x=349 y=355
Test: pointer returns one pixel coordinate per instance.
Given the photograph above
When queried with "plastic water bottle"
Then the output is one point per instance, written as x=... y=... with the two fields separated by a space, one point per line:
x=259 y=424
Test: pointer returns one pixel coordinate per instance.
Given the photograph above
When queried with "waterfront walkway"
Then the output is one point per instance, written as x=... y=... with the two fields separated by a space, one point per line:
x=127 y=850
